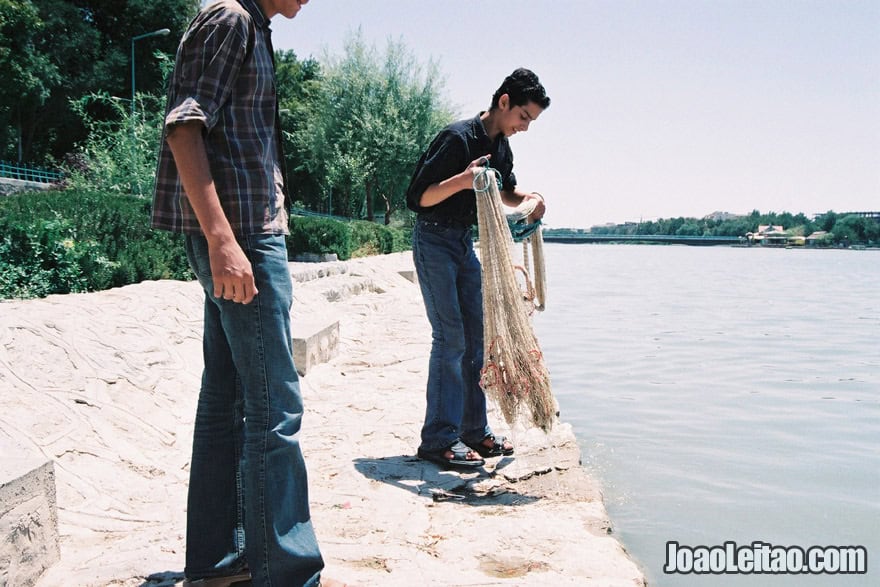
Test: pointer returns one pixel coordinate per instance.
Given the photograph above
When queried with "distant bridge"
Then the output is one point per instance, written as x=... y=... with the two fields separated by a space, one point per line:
x=643 y=238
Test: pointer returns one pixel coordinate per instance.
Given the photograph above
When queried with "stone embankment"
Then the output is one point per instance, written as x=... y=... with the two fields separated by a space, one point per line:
x=101 y=390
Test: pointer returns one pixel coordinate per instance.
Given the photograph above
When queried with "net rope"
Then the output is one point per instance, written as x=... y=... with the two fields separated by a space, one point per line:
x=532 y=239
x=514 y=374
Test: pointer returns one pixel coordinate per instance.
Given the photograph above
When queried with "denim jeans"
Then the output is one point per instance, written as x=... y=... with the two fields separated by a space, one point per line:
x=248 y=493
x=449 y=276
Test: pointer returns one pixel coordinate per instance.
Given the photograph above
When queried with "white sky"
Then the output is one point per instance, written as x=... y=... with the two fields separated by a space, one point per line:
x=660 y=108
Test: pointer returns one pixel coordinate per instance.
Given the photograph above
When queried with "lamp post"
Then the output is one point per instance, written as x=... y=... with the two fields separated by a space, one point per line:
x=156 y=33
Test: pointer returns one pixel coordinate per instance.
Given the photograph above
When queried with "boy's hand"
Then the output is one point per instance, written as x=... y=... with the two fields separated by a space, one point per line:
x=479 y=162
x=540 y=209
x=232 y=273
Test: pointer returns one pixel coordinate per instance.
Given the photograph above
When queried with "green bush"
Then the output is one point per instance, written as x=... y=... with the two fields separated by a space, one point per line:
x=369 y=238
x=310 y=234
x=401 y=239
x=76 y=240
x=42 y=257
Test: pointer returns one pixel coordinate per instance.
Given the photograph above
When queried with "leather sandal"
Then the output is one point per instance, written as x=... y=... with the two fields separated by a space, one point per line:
x=459 y=458
x=496 y=450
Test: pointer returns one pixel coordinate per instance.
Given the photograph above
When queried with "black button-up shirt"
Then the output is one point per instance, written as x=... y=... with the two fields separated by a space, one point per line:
x=450 y=153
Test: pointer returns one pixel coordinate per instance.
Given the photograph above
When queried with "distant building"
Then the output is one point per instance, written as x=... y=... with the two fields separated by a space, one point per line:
x=721 y=216
x=816 y=237
x=771 y=235
x=875 y=216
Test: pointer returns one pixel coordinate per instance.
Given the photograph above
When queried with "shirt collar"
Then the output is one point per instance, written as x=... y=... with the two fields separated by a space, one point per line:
x=480 y=134
x=256 y=12
x=479 y=131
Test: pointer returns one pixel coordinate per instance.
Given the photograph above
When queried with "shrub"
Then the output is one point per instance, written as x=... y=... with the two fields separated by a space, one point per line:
x=369 y=238
x=319 y=235
x=73 y=241
x=78 y=240
x=42 y=257
x=401 y=239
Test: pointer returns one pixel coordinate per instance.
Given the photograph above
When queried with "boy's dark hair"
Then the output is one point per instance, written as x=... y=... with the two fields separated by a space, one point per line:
x=522 y=86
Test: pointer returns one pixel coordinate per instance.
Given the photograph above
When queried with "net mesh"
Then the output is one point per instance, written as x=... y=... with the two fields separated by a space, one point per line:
x=535 y=288
x=514 y=374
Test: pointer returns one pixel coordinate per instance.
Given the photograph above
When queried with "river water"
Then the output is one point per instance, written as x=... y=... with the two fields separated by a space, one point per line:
x=723 y=394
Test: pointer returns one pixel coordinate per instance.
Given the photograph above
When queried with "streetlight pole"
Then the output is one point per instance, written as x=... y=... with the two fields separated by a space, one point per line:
x=156 y=33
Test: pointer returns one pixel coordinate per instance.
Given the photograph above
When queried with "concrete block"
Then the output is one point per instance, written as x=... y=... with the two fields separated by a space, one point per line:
x=303 y=273
x=11 y=186
x=315 y=258
x=315 y=341
x=28 y=515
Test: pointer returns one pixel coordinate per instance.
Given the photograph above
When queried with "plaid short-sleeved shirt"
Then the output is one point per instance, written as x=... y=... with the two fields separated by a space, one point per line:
x=224 y=79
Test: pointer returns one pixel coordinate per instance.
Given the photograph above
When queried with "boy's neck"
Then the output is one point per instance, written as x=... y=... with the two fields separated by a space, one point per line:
x=489 y=119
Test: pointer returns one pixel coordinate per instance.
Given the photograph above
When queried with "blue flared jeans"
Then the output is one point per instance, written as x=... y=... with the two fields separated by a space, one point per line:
x=248 y=493
x=449 y=276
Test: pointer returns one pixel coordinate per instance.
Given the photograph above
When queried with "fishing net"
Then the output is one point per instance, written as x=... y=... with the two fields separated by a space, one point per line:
x=532 y=239
x=514 y=374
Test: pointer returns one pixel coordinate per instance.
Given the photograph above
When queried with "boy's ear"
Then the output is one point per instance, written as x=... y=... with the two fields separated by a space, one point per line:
x=504 y=101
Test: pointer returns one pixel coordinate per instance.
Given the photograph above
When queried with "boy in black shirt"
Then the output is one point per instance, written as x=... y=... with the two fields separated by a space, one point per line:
x=456 y=431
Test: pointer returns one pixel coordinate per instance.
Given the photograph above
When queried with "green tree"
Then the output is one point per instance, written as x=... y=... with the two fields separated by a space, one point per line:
x=853 y=229
x=733 y=227
x=689 y=228
x=372 y=119
x=28 y=74
x=406 y=116
x=88 y=42
x=826 y=221
x=647 y=227
x=299 y=86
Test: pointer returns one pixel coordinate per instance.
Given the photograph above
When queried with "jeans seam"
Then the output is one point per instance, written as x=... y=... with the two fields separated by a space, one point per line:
x=264 y=433
x=240 y=543
x=427 y=283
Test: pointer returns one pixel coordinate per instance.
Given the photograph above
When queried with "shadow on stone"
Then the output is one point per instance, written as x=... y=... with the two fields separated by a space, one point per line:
x=163 y=579
x=474 y=488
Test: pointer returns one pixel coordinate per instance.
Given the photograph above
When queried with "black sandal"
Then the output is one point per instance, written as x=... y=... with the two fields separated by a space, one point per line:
x=496 y=450
x=459 y=458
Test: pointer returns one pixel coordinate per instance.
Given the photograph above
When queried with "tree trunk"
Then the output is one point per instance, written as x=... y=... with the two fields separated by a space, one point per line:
x=387 y=209
x=368 y=199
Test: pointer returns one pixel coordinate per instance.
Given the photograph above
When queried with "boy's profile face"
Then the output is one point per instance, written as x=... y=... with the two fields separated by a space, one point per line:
x=516 y=119
x=286 y=8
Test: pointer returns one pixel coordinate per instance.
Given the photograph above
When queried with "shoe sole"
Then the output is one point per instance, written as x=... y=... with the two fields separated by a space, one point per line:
x=240 y=579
